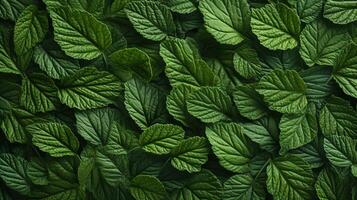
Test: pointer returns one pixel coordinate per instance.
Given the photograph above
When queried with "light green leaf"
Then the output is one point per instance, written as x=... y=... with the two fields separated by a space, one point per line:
x=340 y=150
x=276 y=26
x=95 y=7
x=337 y=117
x=290 y=177
x=332 y=186
x=181 y=6
x=243 y=187
x=11 y=9
x=54 y=67
x=298 y=129
x=30 y=29
x=54 y=138
x=202 y=185
x=345 y=69
x=13 y=173
x=176 y=104
x=190 y=154
x=226 y=20
x=233 y=149
x=321 y=43
x=145 y=187
x=161 y=138
x=145 y=103
x=309 y=10
x=260 y=135
x=184 y=65
x=96 y=125
x=210 y=104
x=38 y=93
x=79 y=34
x=341 y=11
x=284 y=91
x=89 y=88
x=151 y=19
x=249 y=103
x=131 y=59
x=246 y=62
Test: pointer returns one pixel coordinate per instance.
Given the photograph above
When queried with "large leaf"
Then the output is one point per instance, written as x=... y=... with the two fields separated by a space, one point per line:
x=13 y=172
x=233 y=149
x=161 y=138
x=345 y=68
x=151 y=19
x=243 y=187
x=30 y=29
x=145 y=103
x=298 y=129
x=144 y=187
x=284 y=91
x=337 y=117
x=79 y=34
x=184 y=66
x=89 y=88
x=226 y=20
x=38 y=93
x=290 y=177
x=210 y=104
x=341 y=150
x=321 y=43
x=276 y=26
x=54 y=138
x=340 y=11
x=190 y=154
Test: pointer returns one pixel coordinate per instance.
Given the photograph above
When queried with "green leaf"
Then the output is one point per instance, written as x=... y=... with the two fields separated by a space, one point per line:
x=290 y=177
x=13 y=172
x=38 y=93
x=96 y=125
x=161 y=138
x=145 y=187
x=345 y=69
x=340 y=150
x=260 y=135
x=89 y=88
x=337 y=117
x=7 y=64
x=226 y=20
x=181 y=6
x=321 y=43
x=284 y=91
x=30 y=29
x=145 y=103
x=184 y=65
x=37 y=172
x=210 y=104
x=202 y=185
x=55 y=67
x=309 y=10
x=298 y=129
x=190 y=154
x=243 y=187
x=95 y=7
x=233 y=149
x=79 y=34
x=176 y=104
x=332 y=186
x=249 y=103
x=276 y=26
x=134 y=60
x=340 y=11
x=11 y=9
x=151 y=19
x=246 y=62
x=54 y=138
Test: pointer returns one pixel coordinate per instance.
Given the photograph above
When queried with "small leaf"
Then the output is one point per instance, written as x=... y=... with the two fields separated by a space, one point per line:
x=243 y=187
x=144 y=187
x=340 y=12
x=309 y=10
x=340 y=150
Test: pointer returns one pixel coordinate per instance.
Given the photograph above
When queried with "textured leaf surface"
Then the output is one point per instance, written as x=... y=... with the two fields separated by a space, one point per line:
x=260 y=135
x=182 y=6
x=340 y=11
x=340 y=150
x=276 y=26
x=226 y=20
x=144 y=187
x=11 y=9
x=243 y=187
x=284 y=91
x=309 y=10
x=246 y=62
